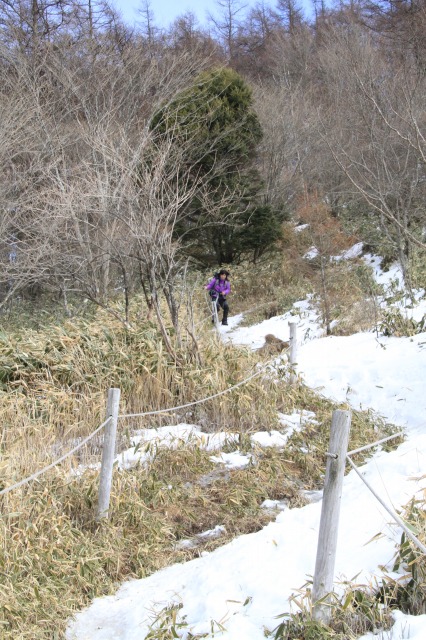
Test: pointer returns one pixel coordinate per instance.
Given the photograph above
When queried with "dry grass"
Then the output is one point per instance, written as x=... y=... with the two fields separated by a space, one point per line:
x=409 y=592
x=55 y=558
x=53 y=383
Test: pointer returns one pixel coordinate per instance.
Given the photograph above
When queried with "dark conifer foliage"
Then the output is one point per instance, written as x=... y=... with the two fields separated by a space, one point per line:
x=223 y=220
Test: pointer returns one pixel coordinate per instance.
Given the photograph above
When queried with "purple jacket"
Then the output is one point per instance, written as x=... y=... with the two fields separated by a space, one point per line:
x=221 y=287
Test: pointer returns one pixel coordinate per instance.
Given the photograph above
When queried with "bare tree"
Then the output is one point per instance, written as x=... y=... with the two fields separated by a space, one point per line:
x=252 y=39
x=148 y=29
x=227 y=25
x=74 y=147
x=291 y=14
x=401 y=27
x=376 y=136
x=286 y=120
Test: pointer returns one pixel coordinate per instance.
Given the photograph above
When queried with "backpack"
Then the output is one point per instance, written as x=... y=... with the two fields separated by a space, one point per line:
x=213 y=293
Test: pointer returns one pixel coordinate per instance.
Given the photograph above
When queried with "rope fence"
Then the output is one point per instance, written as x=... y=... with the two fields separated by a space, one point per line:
x=370 y=446
x=336 y=457
x=56 y=462
x=131 y=415
x=390 y=511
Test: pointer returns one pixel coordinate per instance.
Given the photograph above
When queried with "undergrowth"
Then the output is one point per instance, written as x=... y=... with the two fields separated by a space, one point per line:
x=54 y=557
x=408 y=591
x=271 y=287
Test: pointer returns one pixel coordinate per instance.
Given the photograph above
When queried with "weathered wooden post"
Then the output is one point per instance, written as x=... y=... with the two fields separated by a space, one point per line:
x=108 y=454
x=329 y=524
x=293 y=351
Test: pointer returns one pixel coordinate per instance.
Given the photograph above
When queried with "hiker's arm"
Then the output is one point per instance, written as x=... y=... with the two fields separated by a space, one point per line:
x=210 y=285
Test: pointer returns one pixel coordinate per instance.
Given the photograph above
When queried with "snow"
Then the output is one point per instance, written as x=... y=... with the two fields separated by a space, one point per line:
x=146 y=442
x=193 y=542
x=234 y=460
x=311 y=254
x=381 y=276
x=301 y=227
x=303 y=312
x=370 y=373
x=353 y=252
x=240 y=588
x=405 y=628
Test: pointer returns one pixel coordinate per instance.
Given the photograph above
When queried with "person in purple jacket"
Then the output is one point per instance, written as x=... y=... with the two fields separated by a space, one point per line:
x=219 y=287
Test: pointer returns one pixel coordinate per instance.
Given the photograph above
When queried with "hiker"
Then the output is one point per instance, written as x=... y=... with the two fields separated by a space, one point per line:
x=219 y=287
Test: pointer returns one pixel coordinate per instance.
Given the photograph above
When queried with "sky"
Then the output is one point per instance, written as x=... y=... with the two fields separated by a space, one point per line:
x=165 y=11
x=239 y=589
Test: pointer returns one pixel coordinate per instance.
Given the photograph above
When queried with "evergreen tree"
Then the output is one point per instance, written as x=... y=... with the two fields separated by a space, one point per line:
x=215 y=131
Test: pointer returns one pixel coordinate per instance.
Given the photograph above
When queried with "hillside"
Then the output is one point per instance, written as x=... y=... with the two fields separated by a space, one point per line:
x=286 y=148
x=241 y=589
x=202 y=476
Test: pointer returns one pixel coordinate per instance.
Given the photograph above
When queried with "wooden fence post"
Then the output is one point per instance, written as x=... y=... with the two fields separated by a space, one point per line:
x=293 y=351
x=108 y=453
x=329 y=524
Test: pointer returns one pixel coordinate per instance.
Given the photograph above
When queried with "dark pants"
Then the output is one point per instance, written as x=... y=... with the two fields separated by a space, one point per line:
x=221 y=302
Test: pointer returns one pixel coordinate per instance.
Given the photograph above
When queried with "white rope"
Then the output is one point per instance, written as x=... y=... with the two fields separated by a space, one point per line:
x=50 y=466
x=368 y=446
x=191 y=404
x=389 y=510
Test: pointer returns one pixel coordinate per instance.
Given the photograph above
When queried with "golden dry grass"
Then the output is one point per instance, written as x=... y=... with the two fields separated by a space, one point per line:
x=53 y=383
